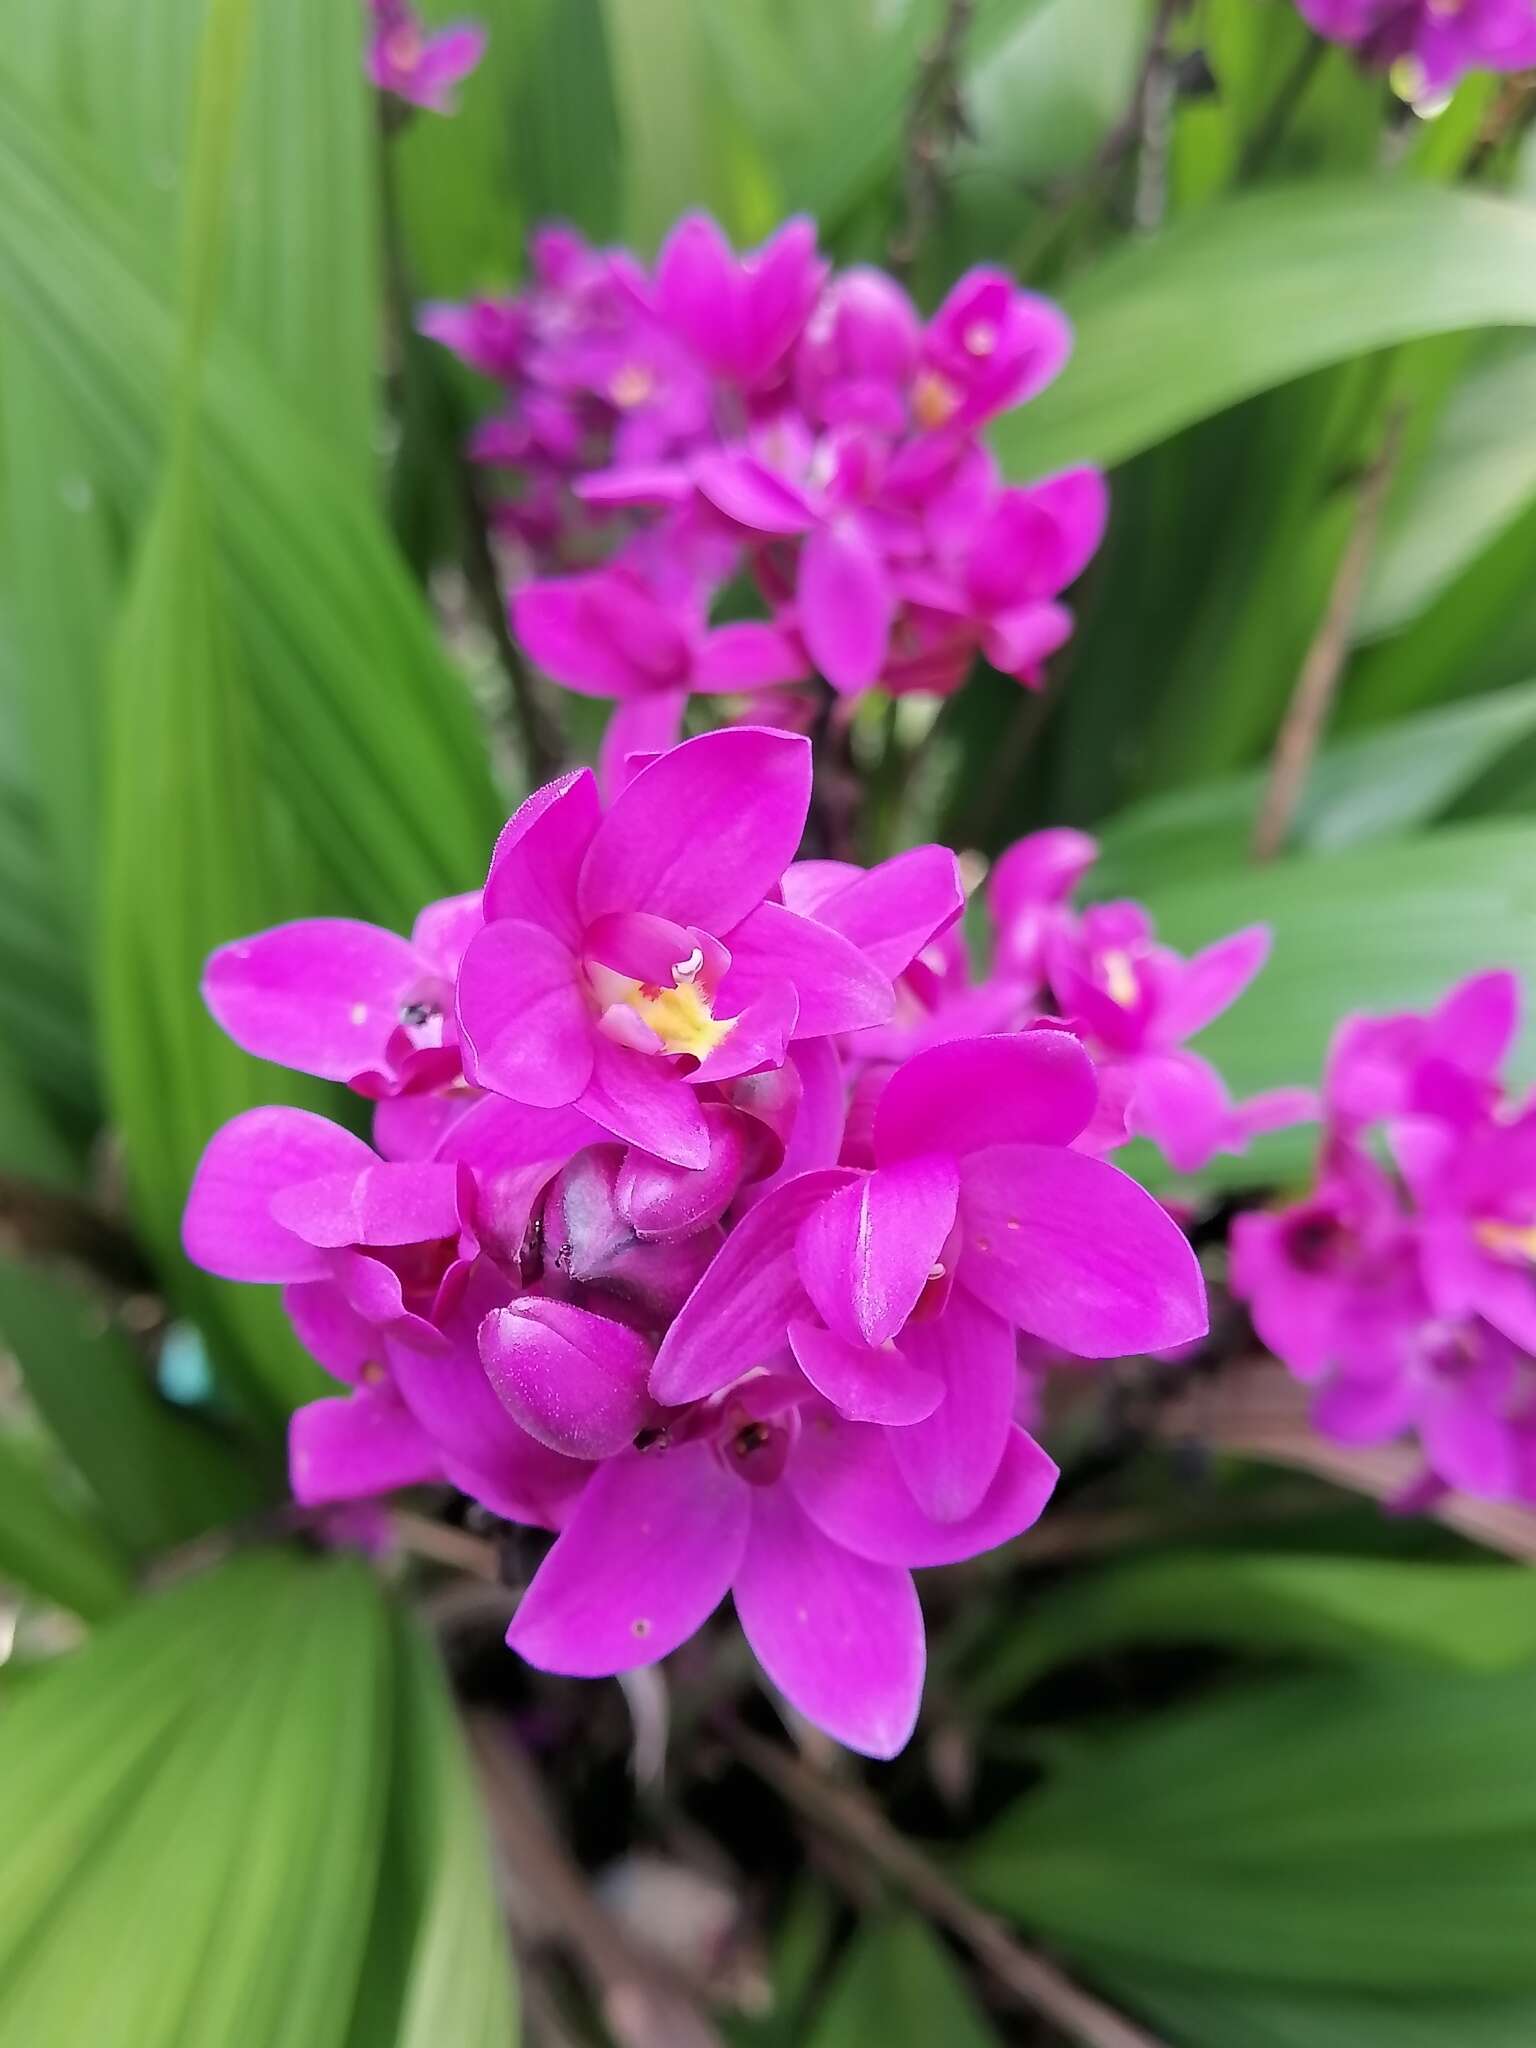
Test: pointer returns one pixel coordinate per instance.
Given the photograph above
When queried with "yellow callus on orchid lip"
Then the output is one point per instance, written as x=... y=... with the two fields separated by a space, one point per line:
x=1517 y=1240
x=681 y=1018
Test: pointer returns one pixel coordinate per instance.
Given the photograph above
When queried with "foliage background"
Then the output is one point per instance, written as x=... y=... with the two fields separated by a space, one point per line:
x=1250 y=1762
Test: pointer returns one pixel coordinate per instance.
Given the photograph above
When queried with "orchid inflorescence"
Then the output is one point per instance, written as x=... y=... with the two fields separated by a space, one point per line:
x=415 y=65
x=1429 y=45
x=1402 y=1287
x=712 y=1206
x=728 y=473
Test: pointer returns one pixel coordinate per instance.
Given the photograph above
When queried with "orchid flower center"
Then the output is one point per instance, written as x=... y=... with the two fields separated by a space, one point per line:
x=1120 y=979
x=403 y=47
x=679 y=1015
x=980 y=338
x=631 y=386
x=1507 y=1240
x=934 y=400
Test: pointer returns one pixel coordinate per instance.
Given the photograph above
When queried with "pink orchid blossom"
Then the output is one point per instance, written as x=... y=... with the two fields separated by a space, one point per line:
x=767 y=1494
x=1407 y=1293
x=629 y=958
x=1136 y=1002
x=421 y=68
x=899 y=1288
x=609 y=634
x=349 y=1001
x=1429 y=44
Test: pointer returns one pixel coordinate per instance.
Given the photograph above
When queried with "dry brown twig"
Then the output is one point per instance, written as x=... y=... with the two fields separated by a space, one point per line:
x=1311 y=702
x=1255 y=1410
x=643 y=2004
x=845 y=1813
x=935 y=121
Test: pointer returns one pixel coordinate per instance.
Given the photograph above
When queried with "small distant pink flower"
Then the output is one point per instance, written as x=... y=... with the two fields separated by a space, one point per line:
x=1432 y=43
x=420 y=67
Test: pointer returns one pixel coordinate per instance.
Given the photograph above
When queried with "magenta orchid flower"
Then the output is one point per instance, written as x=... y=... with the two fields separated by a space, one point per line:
x=1136 y=1002
x=1432 y=43
x=420 y=68
x=739 y=316
x=768 y=1495
x=629 y=958
x=609 y=634
x=349 y=1001
x=899 y=1288
x=990 y=346
x=1408 y=1295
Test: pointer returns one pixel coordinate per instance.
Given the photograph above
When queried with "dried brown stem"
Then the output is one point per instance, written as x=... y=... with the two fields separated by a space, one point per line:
x=47 y=1223
x=935 y=121
x=1255 y=1410
x=843 y=1812
x=644 y=2005
x=1311 y=702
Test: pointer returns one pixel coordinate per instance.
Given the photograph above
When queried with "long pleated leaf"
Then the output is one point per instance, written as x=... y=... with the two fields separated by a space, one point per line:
x=360 y=715
x=1258 y=290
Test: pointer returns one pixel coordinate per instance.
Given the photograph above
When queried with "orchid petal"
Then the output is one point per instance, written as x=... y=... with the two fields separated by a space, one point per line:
x=703 y=833
x=892 y=911
x=638 y=1097
x=840 y=1637
x=739 y=1314
x=845 y=1476
x=1075 y=1252
x=575 y=1381
x=1029 y=1087
x=228 y=1227
x=646 y=1557
x=866 y=1384
x=846 y=606
x=320 y=996
x=539 y=854
x=838 y=988
x=866 y=1254
x=523 y=1022
x=354 y=1446
x=951 y=1459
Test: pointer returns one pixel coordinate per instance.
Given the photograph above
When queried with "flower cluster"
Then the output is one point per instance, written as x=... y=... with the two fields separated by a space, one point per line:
x=1403 y=1285
x=414 y=65
x=1429 y=44
x=725 y=434
x=711 y=1211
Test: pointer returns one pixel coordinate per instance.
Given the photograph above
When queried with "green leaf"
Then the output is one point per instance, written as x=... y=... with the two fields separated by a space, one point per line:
x=1480 y=1617
x=1258 y=290
x=1376 y=928
x=1372 y=786
x=438 y=1964
x=202 y=1829
x=1302 y=1834
x=159 y=1477
x=1207 y=2012
x=344 y=662
x=48 y=1546
x=898 y=1987
x=224 y=1887
x=1478 y=475
x=668 y=103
